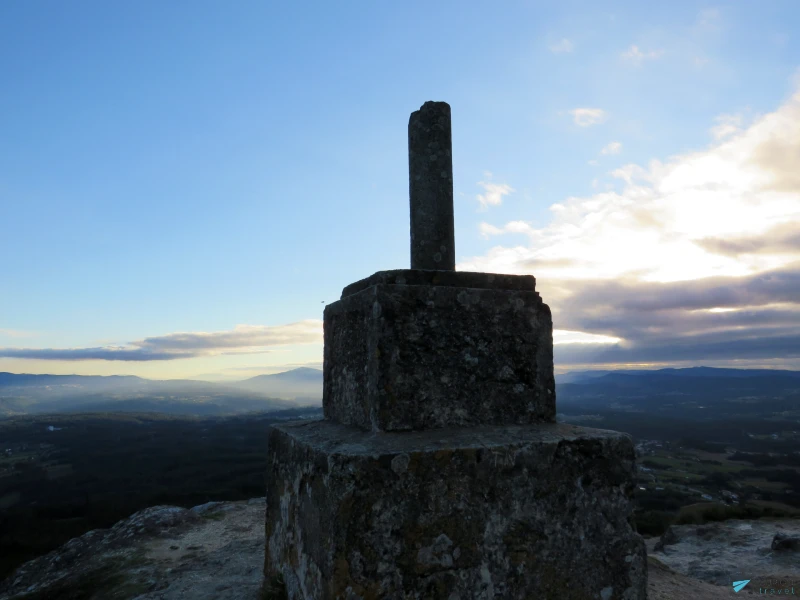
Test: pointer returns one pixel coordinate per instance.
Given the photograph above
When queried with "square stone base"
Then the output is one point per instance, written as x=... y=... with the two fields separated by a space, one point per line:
x=416 y=350
x=514 y=512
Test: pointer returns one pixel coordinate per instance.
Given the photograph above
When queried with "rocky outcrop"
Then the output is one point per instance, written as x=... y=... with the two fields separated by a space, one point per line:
x=216 y=550
x=783 y=542
x=209 y=552
x=667 y=538
x=720 y=553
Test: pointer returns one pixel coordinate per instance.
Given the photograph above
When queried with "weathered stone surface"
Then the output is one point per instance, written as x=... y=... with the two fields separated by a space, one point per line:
x=211 y=552
x=784 y=542
x=413 y=357
x=430 y=167
x=467 y=279
x=724 y=551
x=539 y=511
x=667 y=538
x=439 y=470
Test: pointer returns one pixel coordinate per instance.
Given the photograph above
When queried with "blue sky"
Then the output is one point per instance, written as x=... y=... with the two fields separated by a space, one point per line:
x=183 y=184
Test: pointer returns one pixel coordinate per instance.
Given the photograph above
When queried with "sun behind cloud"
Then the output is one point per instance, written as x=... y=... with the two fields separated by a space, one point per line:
x=697 y=257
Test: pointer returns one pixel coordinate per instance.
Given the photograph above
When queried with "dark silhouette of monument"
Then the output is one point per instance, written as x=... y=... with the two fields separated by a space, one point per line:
x=439 y=470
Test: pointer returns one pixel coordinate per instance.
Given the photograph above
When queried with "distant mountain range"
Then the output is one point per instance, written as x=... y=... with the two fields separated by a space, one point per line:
x=695 y=393
x=593 y=376
x=26 y=394
x=303 y=385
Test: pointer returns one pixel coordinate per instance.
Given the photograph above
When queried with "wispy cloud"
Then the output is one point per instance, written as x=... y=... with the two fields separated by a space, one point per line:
x=612 y=148
x=697 y=257
x=493 y=193
x=243 y=339
x=562 y=46
x=726 y=125
x=17 y=333
x=631 y=172
x=585 y=117
x=636 y=56
x=101 y=353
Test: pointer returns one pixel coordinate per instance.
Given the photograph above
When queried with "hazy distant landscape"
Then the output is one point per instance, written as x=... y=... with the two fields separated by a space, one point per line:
x=712 y=444
x=22 y=394
x=62 y=475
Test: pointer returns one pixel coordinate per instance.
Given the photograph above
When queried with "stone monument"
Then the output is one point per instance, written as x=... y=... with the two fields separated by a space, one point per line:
x=438 y=470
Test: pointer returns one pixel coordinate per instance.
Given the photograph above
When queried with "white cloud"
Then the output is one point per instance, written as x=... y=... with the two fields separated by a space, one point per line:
x=517 y=227
x=718 y=227
x=612 y=148
x=630 y=172
x=494 y=193
x=486 y=231
x=594 y=162
x=562 y=46
x=585 y=117
x=636 y=56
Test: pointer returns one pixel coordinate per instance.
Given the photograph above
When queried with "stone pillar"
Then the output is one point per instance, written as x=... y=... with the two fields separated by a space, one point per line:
x=430 y=166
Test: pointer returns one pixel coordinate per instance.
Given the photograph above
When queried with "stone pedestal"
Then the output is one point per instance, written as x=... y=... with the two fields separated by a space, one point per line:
x=512 y=512
x=414 y=350
x=439 y=471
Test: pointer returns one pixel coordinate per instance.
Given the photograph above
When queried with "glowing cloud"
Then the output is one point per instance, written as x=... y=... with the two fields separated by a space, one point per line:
x=243 y=339
x=696 y=257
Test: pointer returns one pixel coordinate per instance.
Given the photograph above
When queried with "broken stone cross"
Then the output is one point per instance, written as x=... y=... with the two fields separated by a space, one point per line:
x=430 y=166
x=439 y=470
